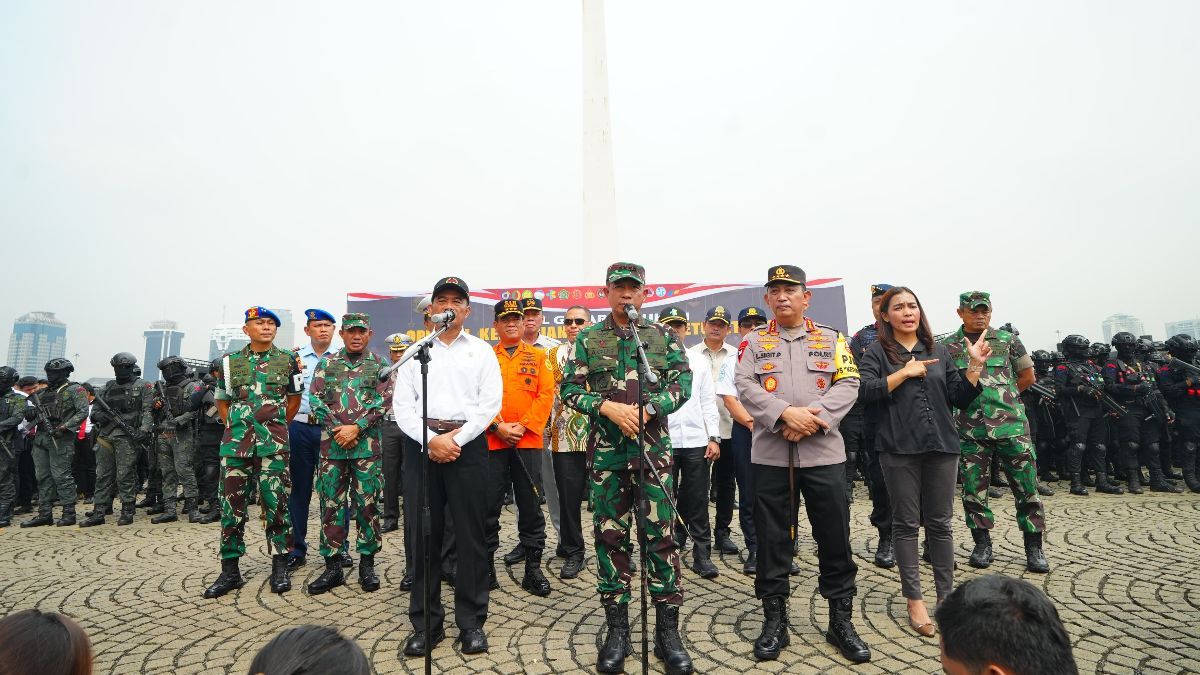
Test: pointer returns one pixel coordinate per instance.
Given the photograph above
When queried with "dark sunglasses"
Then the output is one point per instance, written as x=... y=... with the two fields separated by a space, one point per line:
x=574 y=322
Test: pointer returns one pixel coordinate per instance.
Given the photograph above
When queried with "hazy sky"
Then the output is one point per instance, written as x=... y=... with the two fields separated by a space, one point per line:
x=169 y=160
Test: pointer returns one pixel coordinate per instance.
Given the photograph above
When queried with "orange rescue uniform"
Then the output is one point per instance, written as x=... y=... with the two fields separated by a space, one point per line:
x=528 y=394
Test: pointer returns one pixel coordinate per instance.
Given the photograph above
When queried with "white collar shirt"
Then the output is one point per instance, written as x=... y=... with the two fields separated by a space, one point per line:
x=464 y=384
x=696 y=420
x=714 y=360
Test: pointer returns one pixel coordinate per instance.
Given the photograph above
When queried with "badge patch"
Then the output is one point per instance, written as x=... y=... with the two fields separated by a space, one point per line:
x=821 y=365
x=821 y=383
x=767 y=346
x=768 y=366
x=771 y=384
x=742 y=348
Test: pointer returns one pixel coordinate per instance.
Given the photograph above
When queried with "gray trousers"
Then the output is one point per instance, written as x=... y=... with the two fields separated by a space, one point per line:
x=176 y=458
x=116 y=469
x=922 y=488
x=52 y=457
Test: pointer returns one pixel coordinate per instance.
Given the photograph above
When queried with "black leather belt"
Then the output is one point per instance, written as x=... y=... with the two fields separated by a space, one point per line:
x=443 y=426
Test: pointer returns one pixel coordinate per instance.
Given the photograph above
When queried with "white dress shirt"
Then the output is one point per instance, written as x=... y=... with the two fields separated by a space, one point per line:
x=546 y=342
x=691 y=425
x=715 y=360
x=464 y=384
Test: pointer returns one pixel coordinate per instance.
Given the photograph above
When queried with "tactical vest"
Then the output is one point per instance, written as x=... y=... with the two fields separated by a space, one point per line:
x=336 y=381
x=177 y=396
x=51 y=400
x=125 y=398
x=240 y=375
x=604 y=350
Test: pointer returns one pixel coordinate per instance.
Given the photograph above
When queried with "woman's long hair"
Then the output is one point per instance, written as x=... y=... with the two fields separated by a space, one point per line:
x=43 y=643
x=887 y=336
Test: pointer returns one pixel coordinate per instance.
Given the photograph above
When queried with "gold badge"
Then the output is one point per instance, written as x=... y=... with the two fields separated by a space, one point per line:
x=771 y=384
x=768 y=367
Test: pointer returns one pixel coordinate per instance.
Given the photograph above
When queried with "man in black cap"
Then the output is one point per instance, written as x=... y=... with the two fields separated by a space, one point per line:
x=714 y=352
x=465 y=393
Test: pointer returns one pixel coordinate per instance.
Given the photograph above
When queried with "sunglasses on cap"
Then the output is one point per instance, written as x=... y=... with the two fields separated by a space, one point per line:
x=574 y=322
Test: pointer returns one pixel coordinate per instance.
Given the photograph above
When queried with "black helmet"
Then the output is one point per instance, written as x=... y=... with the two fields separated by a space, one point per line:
x=59 y=364
x=1144 y=346
x=1008 y=328
x=1181 y=346
x=1099 y=350
x=123 y=360
x=1124 y=339
x=9 y=376
x=172 y=362
x=1041 y=356
x=1075 y=341
x=1057 y=356
x=215 y=364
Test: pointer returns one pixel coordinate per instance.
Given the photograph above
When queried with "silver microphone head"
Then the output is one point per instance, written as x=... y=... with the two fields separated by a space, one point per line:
x=631 y=312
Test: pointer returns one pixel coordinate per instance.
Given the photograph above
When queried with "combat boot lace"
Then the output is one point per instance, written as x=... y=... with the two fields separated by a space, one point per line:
x=841 y=633
x=611 y=657
x=668 y=646
x=230 y=579
x=774 y=636
x=981 y=557
x=331 y=578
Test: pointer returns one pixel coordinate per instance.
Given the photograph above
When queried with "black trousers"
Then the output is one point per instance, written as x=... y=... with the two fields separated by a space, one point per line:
x=570 y=475
x=453 y=487
x=507 y=467
x=84 y=465
x=1090 y=433
x=26 y=474
x=724 y=476
x=691 y=471
x=393 y=463
x=739 y=448
x=824 y=492
x=208 y=471
x=859 y=436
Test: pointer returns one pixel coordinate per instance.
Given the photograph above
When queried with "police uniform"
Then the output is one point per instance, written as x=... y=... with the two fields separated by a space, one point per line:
x=393 y=445
x=809 y=365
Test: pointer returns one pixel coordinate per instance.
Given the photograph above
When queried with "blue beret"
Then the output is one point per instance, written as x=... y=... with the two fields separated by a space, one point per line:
x=318 y=315
x=262 y=313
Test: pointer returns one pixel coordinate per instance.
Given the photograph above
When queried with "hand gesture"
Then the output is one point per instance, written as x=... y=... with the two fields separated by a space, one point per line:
x=915 y=368
x=623 y=415
x=443 y=448
x=713 y=451
x=346 y=435
x=510 y=432
x=802 y=420
x=979 y=351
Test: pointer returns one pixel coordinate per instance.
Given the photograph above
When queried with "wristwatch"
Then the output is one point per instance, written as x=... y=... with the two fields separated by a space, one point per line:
x=715 y=439
x=650 y=409
x=493 y=427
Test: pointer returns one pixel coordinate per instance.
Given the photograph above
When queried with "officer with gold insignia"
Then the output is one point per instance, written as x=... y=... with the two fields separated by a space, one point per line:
x=393 y=443
x=797 y=379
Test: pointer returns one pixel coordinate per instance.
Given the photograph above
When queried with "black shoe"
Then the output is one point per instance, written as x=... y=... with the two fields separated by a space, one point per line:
x=448 y=578
x=1044 y=490
x=794 y=569
x=406 y=582
x=126 y=518
x=573 y=567
x=1035 y=559
x=724 y=544
x=493 y=580
x=774 y=635
x=703 y=565
x=230 y=579
x=281 y=581
x=40 y=520
x=1077 y=487
x=981 y=557
x=1165 y=487
x=389 y=525
x=189 y=507
x=885 y=551
x=1134 y=482
x=514 y=556
x=841 y=633
x=417 y=644
x=750 y=567
x=297 y=561
x=1102 y=485
x=368 y=580
x=668 y=646
x=925 y=552
x=157 y=507
x=331 y=578
x=473 y=641
x=611 y=656
x=535 y=582
x=102 y=509
x=68 y=518
x=168 y=514
x=213 y=516
x=347 y=561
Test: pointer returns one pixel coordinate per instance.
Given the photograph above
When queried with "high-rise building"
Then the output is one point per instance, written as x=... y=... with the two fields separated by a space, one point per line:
x=163 y=339
x=37 y=337
x=1187 y=327
x=1118 y=323
x=286 y=335
x=225 y=338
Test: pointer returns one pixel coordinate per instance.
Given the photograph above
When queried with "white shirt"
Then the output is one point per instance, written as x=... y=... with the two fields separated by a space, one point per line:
x=715 y=360
x=724 y=385
x=464 y=384
x=545 y=342
x=309 y=358
x=25 y=427
x=691 y=425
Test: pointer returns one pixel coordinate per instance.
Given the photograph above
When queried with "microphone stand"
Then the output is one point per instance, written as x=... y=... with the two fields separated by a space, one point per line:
x=645 y=376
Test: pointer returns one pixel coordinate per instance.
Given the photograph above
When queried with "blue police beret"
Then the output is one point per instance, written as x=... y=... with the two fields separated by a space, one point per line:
x=262 y=313
x=318 y=315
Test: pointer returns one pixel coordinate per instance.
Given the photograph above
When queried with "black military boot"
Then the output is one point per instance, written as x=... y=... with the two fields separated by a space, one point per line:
x=68 y=516
x=126 y=518
x=103 y=508
x=146 y=502
x=1189 y=468
x=535 y=582
x=96 y=515
x=189 y=507
x=774 y=636
x=1077 y=487
x=1158 y=482
x=367 y=578
x=750 y=567
x=493 y=580
x=1134 y=481
x=281 y=579
x=514 y=556
x=331 y=578
x=668 y=646
x=981 y=557
x=703 y=565
x=156 y=506
x=1035 y=559
x=5 y=515
x=723 y=544
x=841 y=633
x=1102 y=485
x=885 y=552
x=213 y=515
x=40 y=520
x=169 y=515
x=611 y=657
x=230 y=579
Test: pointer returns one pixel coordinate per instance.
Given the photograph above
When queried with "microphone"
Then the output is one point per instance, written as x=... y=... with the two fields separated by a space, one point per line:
x=631 y=312
x=442 y=317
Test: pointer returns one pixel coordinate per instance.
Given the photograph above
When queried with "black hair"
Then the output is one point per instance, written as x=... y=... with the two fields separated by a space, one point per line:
x=310 y=649
x=43 y=643
x=1007 y=622
x=580 y=307
x=887 y=334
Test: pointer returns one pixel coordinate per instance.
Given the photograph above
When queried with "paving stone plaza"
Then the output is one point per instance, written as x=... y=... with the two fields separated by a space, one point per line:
x=1125 y=577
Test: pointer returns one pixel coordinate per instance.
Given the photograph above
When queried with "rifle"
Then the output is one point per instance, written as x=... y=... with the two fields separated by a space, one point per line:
x=43 y=419
x=168 y=423
x=1183 y=365
x=1047 y=394
x=121 y=423
x=1110 y=404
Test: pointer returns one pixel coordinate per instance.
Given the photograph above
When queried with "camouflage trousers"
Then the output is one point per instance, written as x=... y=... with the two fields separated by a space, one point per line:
x=52 y=457
x=176 y=460
x=1016 y=459
x=359 y=481
x=270 y=474
x=153 y=471
x=612 y=494
x=116 y=469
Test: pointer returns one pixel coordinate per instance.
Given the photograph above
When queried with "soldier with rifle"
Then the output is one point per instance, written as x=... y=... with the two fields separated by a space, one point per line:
x=1179 y=379
x=58 y=409
x=1130 y=380
x=176 y=404
x=122 y=415
x=12 y=405
x=1085 y=408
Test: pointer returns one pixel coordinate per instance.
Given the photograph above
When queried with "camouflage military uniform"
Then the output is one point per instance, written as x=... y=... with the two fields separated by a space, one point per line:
x=347 y=390
x=116 y=453
x=257 y=386
x=604 y=368
x=12 y=407
x=175 y=436
x=995 y=424
x=66 y=405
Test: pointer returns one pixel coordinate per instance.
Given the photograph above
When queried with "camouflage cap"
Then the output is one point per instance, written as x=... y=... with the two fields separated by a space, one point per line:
x=398 y=342
x=717 y=313
x=672 y=314
x=973 y=299
x=356 y=320
x=785 y=274
x=256 y=312
x=625 y=270
x=531 y=303
x=508 y=308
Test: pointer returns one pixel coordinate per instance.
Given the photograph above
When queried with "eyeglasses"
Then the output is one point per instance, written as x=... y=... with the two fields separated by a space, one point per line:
x=574 y=322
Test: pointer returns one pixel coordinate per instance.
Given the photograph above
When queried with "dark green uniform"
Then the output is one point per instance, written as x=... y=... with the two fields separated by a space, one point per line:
x=66 y=406
x=116 y=452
